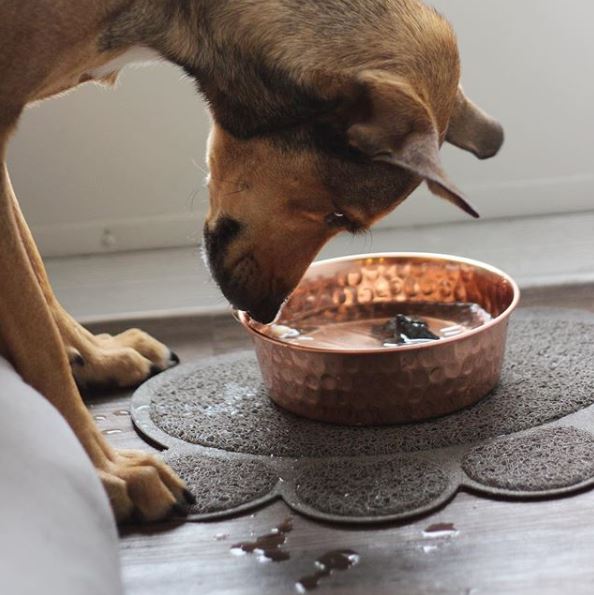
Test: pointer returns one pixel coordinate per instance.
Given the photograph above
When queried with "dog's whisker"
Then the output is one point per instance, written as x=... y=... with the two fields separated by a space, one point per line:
x=209 y=175
x=368 y=238
x=192 y=197
x=200 y=167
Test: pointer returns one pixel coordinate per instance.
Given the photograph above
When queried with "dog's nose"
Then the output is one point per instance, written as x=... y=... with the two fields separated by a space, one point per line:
x=265 y=311
x=261 y=307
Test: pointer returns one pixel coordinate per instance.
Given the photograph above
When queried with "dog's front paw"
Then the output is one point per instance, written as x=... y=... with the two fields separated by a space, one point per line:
x=119 y=361
x=143 y=488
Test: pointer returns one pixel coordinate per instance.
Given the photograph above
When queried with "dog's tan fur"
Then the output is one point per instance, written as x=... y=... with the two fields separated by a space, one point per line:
x=327 y=115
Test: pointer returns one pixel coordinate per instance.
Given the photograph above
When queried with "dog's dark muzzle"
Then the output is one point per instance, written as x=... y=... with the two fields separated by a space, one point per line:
x=262 y=308
x=263 y=311
x=243 y=285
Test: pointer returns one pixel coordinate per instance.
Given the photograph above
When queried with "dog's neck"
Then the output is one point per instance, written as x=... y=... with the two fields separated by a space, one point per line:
x=253 y=85
x=246 y=93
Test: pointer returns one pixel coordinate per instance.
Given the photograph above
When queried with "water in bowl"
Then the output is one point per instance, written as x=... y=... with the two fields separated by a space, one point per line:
x=364 y=326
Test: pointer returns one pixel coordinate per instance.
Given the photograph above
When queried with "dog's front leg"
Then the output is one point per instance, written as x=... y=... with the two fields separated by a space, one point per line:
x=137 y=483
x=98 y=361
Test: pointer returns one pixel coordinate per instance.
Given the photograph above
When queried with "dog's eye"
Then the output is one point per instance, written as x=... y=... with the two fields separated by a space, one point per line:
x=338 y=220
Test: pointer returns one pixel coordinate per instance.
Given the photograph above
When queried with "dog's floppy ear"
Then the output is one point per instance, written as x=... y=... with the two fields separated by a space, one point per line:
x=391 y=123
x=472 y=129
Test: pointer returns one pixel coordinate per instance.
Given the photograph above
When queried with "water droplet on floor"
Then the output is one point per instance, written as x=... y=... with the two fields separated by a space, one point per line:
x=429 y=548
x=441 y=530
x=327 y=564
x=112 y=431
x=268 y=546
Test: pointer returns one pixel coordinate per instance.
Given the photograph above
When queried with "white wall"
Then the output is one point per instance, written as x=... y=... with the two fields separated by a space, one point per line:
x=101 y=170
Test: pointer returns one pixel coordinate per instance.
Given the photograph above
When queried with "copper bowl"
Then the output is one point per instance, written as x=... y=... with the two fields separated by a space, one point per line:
x=384 y=385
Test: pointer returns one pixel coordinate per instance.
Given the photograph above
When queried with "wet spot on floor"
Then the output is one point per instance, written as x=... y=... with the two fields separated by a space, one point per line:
x=112 y=431
x=440 y=530
x=267 y=546
x=326 y=565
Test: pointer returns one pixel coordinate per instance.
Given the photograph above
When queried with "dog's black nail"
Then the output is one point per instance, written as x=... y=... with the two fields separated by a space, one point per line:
x=174 y=357
x=178 y=510
x=189 y=497
x=154 y=370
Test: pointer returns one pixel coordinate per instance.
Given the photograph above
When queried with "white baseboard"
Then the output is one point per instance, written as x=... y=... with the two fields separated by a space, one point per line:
x=536 y=251
x=494 y=199
x=121 y=235
x=519 y=198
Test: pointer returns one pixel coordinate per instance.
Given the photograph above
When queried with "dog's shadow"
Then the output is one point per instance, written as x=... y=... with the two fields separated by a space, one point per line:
x=139 y=529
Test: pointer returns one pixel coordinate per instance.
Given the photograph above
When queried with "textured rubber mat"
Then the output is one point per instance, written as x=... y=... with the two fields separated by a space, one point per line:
x=529 y=437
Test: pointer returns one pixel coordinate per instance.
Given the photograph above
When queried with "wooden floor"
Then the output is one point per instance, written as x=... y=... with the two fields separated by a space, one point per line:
x=498 y=546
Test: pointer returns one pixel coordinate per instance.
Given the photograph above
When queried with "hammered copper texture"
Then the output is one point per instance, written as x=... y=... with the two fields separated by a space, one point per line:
x=388 y=385
x=221 y=403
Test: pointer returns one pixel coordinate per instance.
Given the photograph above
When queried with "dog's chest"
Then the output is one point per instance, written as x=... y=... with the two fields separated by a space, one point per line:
x=135 y=55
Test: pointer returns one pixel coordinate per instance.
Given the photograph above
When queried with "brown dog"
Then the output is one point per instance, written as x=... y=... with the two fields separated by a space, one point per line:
x=327 y=115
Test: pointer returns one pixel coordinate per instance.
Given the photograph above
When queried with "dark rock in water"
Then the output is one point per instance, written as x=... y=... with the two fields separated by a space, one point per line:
x=403 y=329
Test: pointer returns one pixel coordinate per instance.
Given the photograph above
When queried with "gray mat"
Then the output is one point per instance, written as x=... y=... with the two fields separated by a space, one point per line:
x=238 y=450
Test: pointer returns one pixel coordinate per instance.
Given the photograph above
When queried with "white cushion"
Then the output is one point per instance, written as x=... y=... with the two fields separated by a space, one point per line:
x=57 y=533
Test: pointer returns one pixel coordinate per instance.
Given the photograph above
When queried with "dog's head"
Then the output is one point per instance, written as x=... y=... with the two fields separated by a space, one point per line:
x=279 y=193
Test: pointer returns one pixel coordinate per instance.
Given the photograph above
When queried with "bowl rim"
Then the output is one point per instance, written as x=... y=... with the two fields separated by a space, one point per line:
x=244 y=317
